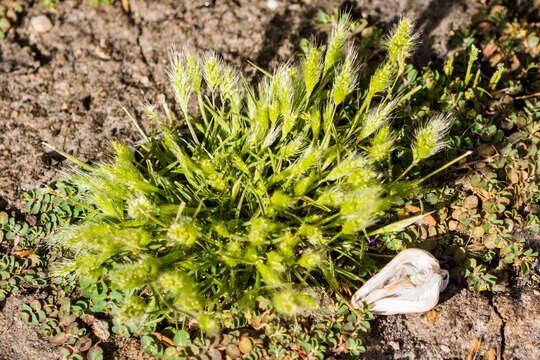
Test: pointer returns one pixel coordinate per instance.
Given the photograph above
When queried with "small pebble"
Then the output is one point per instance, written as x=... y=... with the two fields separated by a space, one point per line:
x=272 y=4
x=41 y=23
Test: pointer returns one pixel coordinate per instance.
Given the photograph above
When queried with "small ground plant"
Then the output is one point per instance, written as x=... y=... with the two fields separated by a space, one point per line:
x=265 y=194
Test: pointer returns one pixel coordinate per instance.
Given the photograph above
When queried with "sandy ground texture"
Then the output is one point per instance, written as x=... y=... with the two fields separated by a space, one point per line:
x=67 y=85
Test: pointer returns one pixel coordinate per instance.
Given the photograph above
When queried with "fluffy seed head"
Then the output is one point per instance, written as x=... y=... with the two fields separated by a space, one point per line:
x=347 y=166
x=208 y=323
x=401 y=41
x=212 y=71
x=312 y=68
x=183 y=233
x=430 y=139
x=377 y=117
x=193 y=69
x=336 y=43
x=289 y=302
x=181 y=81
x=382 y=78
x=310 y=260
x=344 y=82
x=269 y=276
x=140 y=207
x=132 y=309
x=381 y=145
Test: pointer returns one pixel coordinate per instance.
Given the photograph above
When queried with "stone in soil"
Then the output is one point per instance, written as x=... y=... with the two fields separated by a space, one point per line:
x=41 y=23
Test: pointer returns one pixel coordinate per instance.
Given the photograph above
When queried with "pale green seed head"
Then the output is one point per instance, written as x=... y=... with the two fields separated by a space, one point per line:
x=189 y=299
x=208 y=323
x=269 y=275
x=150 y=112
x=280 y=200
x=304 y=183
x=193 y=69
x=347 y=166
x=311 y=156
x=107 y=205
x=331 y=197
x=181 y=81
x=289 y=302
x=292 y=148
x=382 y=78
x=310 y=260
x=133 y=308
x=312 y=233
x=271 y=136
x=313 y=118
x=312 y=68
x=377 y=118
x=182 y=233
x=140 y=207
x=401 y=41
x=382 y=144
x=345 y=80
x=431 y=138
x=259 y=229
x=334 y=50
x=132 y=276
x=284 y=302
x=359 y=209
x=273 y=110
x=328 y=116
x=232 y=253
x=287 y=243
x=362 y=177
x=284 y=88
x=84 y=265
x=171 y=282
x=229 y=83
x=212 y=71
x=275 y=261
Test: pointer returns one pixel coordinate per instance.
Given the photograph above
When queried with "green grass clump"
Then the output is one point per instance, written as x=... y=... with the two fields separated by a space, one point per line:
x=267 y=192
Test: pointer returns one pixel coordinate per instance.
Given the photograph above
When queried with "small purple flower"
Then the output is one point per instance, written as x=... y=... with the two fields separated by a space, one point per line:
x=445 y=267
x=461 y=282
x=372 y=242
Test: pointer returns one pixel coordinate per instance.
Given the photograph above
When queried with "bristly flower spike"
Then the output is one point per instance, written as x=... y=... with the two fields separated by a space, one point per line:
x=180 y=79
x=345 y=80
x=337 y=41
x=212 y=71
x=401 y=42
x=312 y=69
x=430 y=139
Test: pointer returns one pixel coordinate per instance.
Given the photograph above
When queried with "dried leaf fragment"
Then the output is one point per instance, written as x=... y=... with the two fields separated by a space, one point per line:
x=474 y=349
x=125 y=5
x=432 y=316
x=100 y=328
x=428 y=219
x=23 y=253
x=409 y=283
x=163 y=338
x=490 y=354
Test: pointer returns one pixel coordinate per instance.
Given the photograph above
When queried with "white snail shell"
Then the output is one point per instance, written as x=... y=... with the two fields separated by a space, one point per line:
x=409 y=283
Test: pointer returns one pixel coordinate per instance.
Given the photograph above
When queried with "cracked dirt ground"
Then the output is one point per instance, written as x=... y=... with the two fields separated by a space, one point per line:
x=67 y=87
